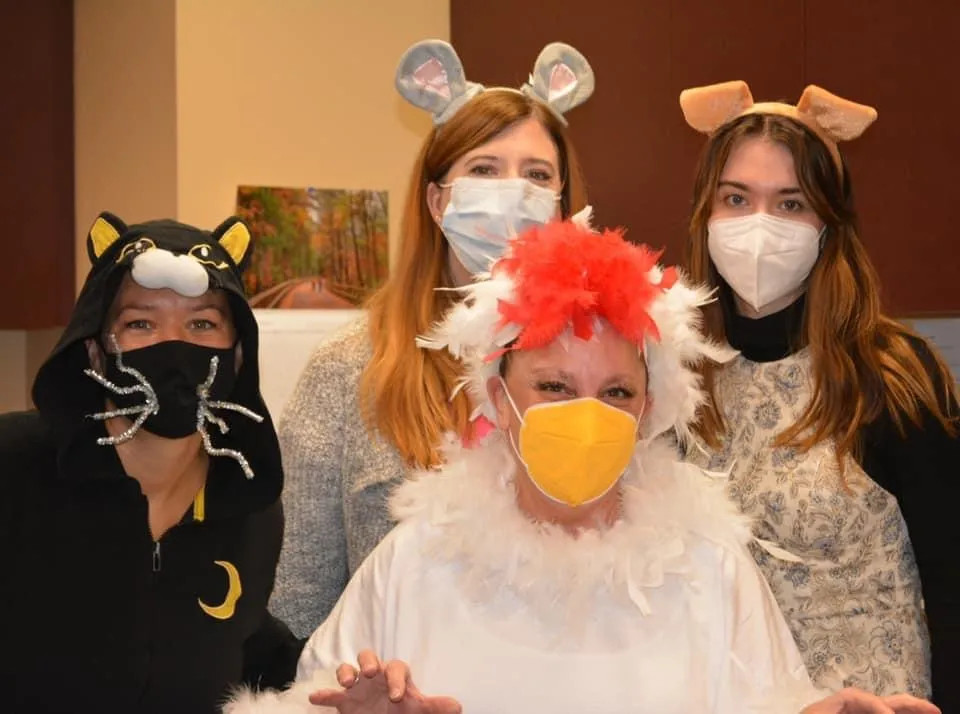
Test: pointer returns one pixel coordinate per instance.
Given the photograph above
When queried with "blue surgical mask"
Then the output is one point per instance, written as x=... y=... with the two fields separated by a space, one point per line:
x=483 y=214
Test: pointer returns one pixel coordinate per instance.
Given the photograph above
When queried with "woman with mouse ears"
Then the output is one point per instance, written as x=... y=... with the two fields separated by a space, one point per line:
x=839 y=425
x=371 y=405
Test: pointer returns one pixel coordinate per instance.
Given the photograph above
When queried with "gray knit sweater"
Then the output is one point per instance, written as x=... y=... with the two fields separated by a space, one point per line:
x=337 y=479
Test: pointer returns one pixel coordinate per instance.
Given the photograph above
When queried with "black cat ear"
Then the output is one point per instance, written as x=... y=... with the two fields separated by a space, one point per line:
x=103 y=233
x=234 y=236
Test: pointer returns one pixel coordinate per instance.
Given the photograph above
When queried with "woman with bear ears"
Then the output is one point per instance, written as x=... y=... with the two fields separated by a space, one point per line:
x=371 y=405
x=838 y=424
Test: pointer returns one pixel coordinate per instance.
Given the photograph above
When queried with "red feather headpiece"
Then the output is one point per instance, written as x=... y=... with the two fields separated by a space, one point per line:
x=565 y=274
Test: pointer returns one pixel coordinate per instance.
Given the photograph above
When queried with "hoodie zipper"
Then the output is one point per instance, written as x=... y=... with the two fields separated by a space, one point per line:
x=156 y=557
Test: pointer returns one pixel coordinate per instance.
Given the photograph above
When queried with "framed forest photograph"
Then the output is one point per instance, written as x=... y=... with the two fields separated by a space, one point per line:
x=314 y=248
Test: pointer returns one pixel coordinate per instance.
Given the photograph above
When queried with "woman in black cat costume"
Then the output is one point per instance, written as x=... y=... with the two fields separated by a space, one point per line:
x=140 y=516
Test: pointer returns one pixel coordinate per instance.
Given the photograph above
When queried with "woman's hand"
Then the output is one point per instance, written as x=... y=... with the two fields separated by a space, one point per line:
x=378 y=688
x=856 y=701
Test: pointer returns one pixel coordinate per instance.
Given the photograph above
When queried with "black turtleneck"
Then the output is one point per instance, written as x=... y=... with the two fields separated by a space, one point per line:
x=765 y=339
x=920 y=467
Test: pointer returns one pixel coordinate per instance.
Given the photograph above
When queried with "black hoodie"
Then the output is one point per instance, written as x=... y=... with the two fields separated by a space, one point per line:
x=96 y=616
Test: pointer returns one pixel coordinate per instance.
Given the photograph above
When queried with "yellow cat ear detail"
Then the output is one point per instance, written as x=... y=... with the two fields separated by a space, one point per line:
x=236 y=241
x=103 y=233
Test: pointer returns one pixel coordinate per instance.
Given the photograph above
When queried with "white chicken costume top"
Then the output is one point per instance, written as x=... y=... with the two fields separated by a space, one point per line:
x=663 y=612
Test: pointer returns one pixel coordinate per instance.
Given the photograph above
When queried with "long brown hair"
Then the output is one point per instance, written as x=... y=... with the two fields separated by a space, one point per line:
x=405 y=391
x=863 y=362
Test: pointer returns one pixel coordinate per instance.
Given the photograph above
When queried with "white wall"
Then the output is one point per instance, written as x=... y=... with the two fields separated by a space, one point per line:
x=944 y=333
x=287 y=339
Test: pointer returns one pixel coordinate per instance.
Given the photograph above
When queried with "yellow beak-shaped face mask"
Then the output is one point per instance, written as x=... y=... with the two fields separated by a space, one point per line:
x=575 y=451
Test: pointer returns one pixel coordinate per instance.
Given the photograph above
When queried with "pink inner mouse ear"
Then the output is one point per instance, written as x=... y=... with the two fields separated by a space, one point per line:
x=839 y=118
x=562 y=82
x=432 y=77
x=561 y=78
x=708 y=108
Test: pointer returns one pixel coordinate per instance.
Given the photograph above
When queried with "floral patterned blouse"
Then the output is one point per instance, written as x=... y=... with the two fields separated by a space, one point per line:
x=854 y=600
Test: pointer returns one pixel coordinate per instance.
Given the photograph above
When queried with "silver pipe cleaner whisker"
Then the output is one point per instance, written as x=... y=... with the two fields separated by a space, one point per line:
x=205 y=414
x=143 y=411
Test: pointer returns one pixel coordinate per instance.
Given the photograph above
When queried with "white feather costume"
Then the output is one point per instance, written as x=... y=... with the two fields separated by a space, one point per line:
x=665 y=611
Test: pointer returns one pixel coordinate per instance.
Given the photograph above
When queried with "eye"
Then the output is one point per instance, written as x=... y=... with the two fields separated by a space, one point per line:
x=735 y=200
x=620 y=393
x=792 y=205
x=483 y=170
x=140 y=324
x=539 y=176
x=203 y=324
x=552 y=387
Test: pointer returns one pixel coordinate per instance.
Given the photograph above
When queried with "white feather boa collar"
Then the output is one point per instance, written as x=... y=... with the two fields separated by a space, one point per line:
x=470 y=507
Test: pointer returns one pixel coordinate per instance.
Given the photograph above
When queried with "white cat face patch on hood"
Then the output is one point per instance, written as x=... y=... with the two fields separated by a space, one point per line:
x=157 y=268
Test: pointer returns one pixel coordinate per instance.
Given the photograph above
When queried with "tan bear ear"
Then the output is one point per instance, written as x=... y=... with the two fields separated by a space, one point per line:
x=234 y=236
x=103 y=233
x=840 y=119
x=710 y=107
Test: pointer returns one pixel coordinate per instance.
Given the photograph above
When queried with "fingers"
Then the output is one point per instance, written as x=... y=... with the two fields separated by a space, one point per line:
x=905 y=704
x=369 y=663
x=432 y=705
x=857 y=701
x=397 y=674
x=328 y=697
x=442 y=705
x=347 y=675
x=849 y=701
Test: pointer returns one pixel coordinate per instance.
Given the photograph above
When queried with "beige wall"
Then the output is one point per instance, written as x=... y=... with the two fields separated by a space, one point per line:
x=21 y=354
x=125 y=103
x=13 y=355
x=177 y=102
x=295 y=93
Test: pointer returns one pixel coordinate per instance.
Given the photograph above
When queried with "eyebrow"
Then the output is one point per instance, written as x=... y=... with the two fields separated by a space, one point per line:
x=621 y=378
x=541 y=162
x=550 y=372
x=148 y=307
x=143 y=306
x=788 y=191
x=527 y=160
x=210 y=306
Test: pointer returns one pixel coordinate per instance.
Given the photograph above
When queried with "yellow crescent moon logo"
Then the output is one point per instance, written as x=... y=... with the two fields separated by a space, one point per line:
x=225 y=610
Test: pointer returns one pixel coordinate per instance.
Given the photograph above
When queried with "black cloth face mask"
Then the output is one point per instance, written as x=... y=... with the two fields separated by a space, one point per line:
x=167 y=379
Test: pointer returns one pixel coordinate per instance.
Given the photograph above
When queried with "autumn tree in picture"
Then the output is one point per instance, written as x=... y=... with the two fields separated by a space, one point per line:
x=314 y=248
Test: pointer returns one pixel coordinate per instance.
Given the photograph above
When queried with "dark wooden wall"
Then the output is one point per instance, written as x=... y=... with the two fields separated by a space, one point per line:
x=36 y=164
x=639 y=155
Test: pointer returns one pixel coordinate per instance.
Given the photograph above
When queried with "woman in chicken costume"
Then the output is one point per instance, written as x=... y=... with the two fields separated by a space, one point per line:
x=567 y=561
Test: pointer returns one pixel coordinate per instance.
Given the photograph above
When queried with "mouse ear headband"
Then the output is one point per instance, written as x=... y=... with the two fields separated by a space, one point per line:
x=430 y=76
x=830 y=117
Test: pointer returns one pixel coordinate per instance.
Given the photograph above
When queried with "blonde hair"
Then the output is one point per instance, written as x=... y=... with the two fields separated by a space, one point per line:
x=405 y=391
x=864 y=365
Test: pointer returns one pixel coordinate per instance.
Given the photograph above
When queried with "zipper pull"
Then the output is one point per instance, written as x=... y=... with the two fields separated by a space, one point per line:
x=156 y=556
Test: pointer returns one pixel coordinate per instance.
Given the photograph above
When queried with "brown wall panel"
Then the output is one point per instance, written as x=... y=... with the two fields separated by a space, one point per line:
x=36 y=164
x=639 y=155
x=901 y=58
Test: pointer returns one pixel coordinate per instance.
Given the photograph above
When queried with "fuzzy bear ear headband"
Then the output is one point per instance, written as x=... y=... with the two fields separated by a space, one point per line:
x=430 y=76
x=830 y=117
